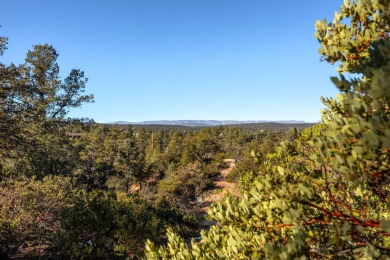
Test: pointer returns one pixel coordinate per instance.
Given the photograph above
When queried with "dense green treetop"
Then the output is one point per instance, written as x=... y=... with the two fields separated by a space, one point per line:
x=33 y=94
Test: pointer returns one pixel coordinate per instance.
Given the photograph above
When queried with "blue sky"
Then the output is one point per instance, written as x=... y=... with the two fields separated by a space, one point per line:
x=182 y=59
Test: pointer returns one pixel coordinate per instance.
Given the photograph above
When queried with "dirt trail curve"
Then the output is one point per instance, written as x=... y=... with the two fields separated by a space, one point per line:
x=222 y=186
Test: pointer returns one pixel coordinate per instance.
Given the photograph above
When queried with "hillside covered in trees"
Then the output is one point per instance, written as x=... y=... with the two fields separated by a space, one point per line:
x=72 y=189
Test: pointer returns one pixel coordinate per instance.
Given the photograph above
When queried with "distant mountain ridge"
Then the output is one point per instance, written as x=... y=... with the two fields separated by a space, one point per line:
x=193 y=123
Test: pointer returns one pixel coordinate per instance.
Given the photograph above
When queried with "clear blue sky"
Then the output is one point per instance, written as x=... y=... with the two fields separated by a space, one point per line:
x=182 y=59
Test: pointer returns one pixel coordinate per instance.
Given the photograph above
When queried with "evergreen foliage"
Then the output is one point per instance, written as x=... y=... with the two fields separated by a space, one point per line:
x=324 y=193
x=70 y=188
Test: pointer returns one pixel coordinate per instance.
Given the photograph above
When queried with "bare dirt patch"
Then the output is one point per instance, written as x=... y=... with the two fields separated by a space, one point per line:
x=222 y=186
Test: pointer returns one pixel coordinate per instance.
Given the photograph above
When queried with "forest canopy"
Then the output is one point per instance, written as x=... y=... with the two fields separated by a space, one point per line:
x=325 y=193
x=71 y=188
